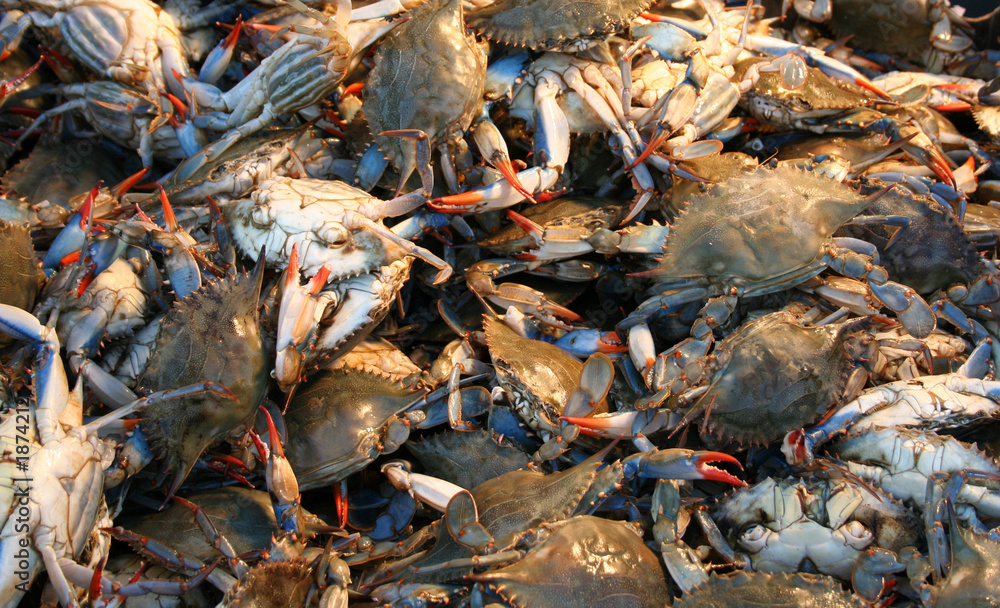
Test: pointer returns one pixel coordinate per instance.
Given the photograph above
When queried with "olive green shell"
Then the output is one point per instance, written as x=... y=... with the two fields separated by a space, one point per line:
x=19 y=279
x=212 y=335
x=428 y=75
x=758 y=227
x=554 y=24
x=586 y=562
x=753 y=589
x=780 y=377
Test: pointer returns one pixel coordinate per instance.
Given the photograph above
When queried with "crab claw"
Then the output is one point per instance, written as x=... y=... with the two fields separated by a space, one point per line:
x=933 y=160
x=218 y=59
x=494 y=150
x=610 y=426
x=585 y=342
x=282 y=484
x=429 y=490
x=498 y=195
x=298 y=319
x=74 y=235
x=8 y=86
x=681 y=464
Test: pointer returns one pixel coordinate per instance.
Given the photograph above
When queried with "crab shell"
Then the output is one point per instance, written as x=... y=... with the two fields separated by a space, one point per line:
x=932 y=252
x=585 y=562
x=510 y=505
x=467 y=459
x=772 y=102
x=341 y=420
x=19 y=279
x=541 y=376
x=895 y=27
x=780 y=590
x=284 y=212
x=212 y=335
x=761 y=229
x=975 y=561
x=806 y=372
x=428 y=75
x=559 y=24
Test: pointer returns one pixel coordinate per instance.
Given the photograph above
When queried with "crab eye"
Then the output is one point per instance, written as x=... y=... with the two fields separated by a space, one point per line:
x=856 y=535
x=754 y=538
x=334 y=235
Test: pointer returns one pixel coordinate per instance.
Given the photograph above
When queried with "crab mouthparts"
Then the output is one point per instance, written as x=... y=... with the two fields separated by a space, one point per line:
x=709 y=472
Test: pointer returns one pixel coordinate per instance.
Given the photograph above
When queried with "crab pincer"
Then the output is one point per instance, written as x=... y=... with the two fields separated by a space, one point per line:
x=679 y=463
x=282 y=484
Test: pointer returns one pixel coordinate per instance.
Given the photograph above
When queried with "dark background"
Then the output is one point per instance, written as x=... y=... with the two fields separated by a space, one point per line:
x=975 y=8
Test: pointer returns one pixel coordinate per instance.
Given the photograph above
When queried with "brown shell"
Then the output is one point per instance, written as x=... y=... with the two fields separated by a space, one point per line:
x=754 y=589
x=585 y=562
x=510 y=505
x=335 y=417
x=212 y=335
x=554 y=24
x=467 y=459
x=428 y=75
x=536 y=371
x=758 y=227
x=780 y=376
x=272 y=585
x=19 y=279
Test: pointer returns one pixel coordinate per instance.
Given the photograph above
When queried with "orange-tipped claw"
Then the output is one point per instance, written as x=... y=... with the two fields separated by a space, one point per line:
x=453 y=203
x=868 y=85
x=603 y=426
x=13 y=83
x=653 y=145
x=507 y=170
x=129 y=182
x=711 y=473
x=525 y=224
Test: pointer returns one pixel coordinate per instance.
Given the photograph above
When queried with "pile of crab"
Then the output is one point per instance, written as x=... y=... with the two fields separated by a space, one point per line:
x=262 y=342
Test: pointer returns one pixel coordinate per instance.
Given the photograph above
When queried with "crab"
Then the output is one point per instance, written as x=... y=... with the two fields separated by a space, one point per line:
x=780 y=524
x=428 y=75
x=891 y=26
x=341 y=420
x=480 y=526
x=762 y=232
x=557 y=94
x=212 y=335
x=305 y=70
x=544 y=381
x=55 y=503
x=779 y=590
x=822 y=105
x=764 y=379
x=289 y=573
x=131 y=41
x=549 y=232
x=933 y=254
x=125 y=114
x=958 y=575
x=584 y=561
x=901 y=461
x=928 y=403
